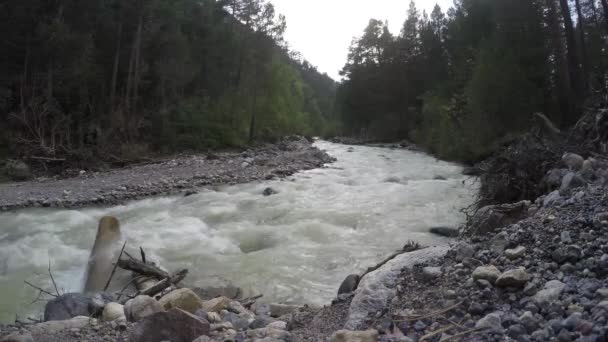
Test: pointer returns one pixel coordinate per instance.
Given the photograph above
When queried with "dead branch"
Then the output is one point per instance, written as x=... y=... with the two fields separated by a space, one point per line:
x=247 y=303
x=432 y=314
x=105 y=288
x=53 y=279
x=161 y=285
x=39 y=289
x=142 y=268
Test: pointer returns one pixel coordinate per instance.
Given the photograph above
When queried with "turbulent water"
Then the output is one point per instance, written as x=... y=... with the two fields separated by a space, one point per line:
x=296 y=246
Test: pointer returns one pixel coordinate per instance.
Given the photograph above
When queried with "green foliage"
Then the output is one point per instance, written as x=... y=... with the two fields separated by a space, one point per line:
x=164 y=74
x=462 y=84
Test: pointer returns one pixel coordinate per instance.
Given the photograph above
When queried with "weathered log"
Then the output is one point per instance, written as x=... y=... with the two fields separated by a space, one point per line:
x=142 y=268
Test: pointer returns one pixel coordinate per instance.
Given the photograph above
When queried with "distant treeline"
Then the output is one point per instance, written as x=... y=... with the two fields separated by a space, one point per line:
x=463 y=83
x=121 y=78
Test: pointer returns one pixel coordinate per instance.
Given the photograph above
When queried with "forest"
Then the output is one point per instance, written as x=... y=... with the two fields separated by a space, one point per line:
x=463 y=83
x=115 y=80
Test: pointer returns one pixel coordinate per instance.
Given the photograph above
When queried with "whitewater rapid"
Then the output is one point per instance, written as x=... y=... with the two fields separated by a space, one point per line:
x=294 y=247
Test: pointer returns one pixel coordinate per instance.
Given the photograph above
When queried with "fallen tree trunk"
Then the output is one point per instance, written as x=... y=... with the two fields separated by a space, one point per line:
x=142 y=268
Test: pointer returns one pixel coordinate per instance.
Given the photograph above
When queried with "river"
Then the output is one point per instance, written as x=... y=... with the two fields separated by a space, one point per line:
x=295 y=247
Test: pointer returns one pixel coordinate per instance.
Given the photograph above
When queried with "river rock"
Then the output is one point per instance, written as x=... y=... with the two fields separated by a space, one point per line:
x=140 y=307
x=571 y=181
x=184 y=299
x=489 y=273
x=445 y=231
x=491 y=321
x=379 y=287
x=175 y=325
x=349 y=284
x=270 y=333
x=500 y=242
x=515 y=253
x=279 y=310
x=71 y=305
x=53 y=327
x=355 y=336
x=489 y=218
x=550 y=293
x=513 y=278
x=216 y=304
x=113 y=311
x=554 y=177
x=269 y=192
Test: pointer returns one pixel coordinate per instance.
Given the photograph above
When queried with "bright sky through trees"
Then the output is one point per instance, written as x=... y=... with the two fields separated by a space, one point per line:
x=322 y=30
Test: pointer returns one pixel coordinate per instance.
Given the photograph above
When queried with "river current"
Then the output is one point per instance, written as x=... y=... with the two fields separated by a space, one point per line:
x=294 y=247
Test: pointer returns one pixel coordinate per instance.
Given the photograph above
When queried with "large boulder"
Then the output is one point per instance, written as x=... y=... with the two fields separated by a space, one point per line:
x=17 y=170
x=72 y=305
x=573 y=161
x=174 y=325
x=377 y=288
x=141 y=307
x=184 y=299
x=216 y=304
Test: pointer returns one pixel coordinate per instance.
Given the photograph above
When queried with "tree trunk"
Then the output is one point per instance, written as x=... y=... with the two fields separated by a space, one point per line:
x=573 y=62
x=115 y=70
x=137 y=63
x=562 y=78
x=26 y=60
x=583 y=41
x=49 y=89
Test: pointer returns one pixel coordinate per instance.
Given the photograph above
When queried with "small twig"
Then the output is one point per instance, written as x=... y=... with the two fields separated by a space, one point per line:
x=40 y=289
x=432 y=314
x=53 y=279
x=436 y=332
x=460 y=334
x=105 y=288
x=251 y=300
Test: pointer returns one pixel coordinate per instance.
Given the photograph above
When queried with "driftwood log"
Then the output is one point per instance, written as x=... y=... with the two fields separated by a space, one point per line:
x=141 y=268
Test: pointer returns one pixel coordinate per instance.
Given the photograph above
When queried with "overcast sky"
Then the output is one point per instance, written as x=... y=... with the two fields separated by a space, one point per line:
x=322 y=30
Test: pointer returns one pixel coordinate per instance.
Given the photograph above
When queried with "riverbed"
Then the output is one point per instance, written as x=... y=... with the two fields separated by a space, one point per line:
x=294 y=247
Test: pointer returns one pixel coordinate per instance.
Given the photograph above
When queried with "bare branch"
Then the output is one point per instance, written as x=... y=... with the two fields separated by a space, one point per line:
x=105 y=288
x=53 y=279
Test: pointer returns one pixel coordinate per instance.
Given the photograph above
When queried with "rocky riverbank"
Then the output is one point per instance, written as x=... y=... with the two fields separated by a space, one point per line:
x=183 y=174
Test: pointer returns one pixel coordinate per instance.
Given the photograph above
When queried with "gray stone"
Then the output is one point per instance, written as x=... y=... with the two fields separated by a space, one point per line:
x=565 y=237
x=529 y=321
x=550 y=293
x=500 y=242
x=269 y=192
x=210 y=292
x=268 y=333
x=491 y=321
x=379 y=287
x=238 y=323
x=278 y=325
x=72 y=305
x=515 y=253
x=513 y=278
x=260 y=322
x=278 y=310
x=489 y=273
x=463 y=251
x=174 y=325
x=571 y=181
x=572 y=321
x=431 y=273
x=140 y=307
x=487 y=219
x=552 y=199
x=445 y=231
x=216 y=304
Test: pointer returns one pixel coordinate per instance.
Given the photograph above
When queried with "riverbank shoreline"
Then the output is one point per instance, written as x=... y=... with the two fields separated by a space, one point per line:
x=183 y=174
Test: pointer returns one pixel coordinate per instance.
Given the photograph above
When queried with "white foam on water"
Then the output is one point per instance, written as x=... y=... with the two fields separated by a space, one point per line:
x=296 y=246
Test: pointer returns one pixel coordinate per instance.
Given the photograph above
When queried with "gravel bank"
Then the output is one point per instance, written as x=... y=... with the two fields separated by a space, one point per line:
x=182 y=174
